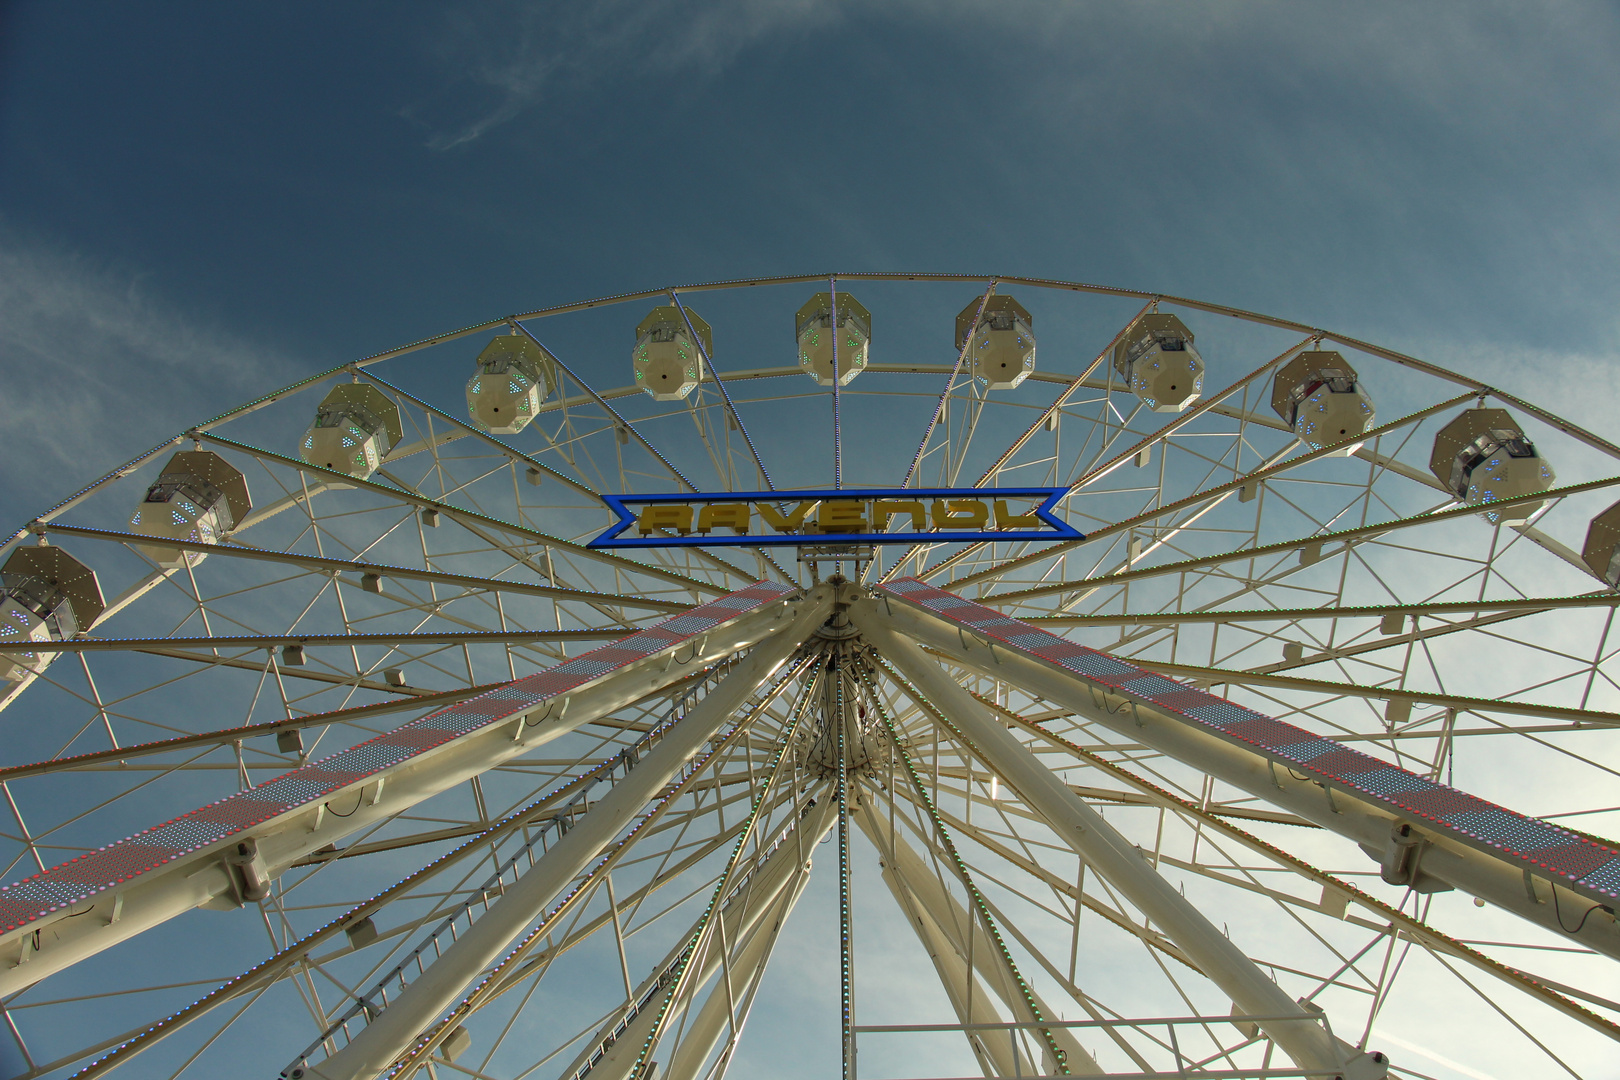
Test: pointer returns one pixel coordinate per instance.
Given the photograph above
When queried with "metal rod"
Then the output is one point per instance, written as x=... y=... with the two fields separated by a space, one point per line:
x=602 y=401
x=1363 y=533
x=396 y=1030
x=846 y=971
x=950 y=381
x=1109 y=853
x=261 y=641
x=731 y=409
x=838 y=443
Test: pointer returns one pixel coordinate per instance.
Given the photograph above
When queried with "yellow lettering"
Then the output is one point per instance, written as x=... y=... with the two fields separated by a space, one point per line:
x=884 y=509
x=665 y=516
x=960 y=513
x=1006 y=520
x=842 y=516
x=793 y=522
x=734 y=516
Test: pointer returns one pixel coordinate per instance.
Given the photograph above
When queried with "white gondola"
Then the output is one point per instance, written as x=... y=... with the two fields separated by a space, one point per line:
x=1002 y=353
x=1319 y=395
x=514 y=376
x=355 y=427
x=1602 y=550
x=1157 y=360
x=821 y=334
x=668 y=364
x=1483 y=457
x=45 y=595
x=198 y=496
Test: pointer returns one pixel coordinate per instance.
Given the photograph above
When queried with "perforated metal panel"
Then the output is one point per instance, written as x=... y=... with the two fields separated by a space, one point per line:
x=1583 y=865
x=78 y=880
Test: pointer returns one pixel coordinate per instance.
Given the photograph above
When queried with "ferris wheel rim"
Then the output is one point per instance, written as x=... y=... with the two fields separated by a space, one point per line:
x=1358 y=344
x=763 y=374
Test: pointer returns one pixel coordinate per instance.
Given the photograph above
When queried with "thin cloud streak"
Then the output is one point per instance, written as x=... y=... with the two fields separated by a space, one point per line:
x=93 y=364
x=520 y=54
x=1430 y=1055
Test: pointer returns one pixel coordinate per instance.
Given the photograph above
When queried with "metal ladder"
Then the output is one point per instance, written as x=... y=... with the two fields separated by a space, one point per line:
x=368 y=1004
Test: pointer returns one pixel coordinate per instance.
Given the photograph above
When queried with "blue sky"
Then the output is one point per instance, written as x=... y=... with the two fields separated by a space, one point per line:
x=201 y=202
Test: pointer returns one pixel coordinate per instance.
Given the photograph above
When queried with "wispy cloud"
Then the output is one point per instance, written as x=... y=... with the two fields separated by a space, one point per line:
x=94 y=364
x=517 y=54
x=1438 y=1059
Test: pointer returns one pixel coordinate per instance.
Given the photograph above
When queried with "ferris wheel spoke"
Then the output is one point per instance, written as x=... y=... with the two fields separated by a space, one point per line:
x=602 y=402
x=1297 y=906
x=775 y=887
x=1334 y=887
x=1049 y=417
x=939 y=918
x=1222 y=676
x=1529 y=532
x=575 y=550
x=1097 y=843
x=1317 y=543
x=1182 y=420
x=473 y=522
x=640 y=1024
x=284 y=963
x=247 y=731
x=380 y=570
x=730 y=569
x=950 y=384
x=397 y=1031
x=744 y=956
x=670 y=871
x=462 y=429
x=974 y=972
x=173 y=886
x=209 y=660
x=268 y=641
x=719 y=454
x=725 y=395
x=1470 y=866
x=1381 y=612
x=1244 y=484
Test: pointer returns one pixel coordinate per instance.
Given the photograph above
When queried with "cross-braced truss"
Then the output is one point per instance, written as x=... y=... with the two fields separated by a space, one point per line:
x=1296 y=764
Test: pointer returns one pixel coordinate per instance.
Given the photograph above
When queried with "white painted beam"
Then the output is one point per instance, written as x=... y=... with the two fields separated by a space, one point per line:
x=419 y=1005
x=1495 y=876
x=74 y=911
x=1117 y=859
x=938 y=917
x=751 y=920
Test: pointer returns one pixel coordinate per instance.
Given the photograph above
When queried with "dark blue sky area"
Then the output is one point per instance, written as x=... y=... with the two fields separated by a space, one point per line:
x=200 y=201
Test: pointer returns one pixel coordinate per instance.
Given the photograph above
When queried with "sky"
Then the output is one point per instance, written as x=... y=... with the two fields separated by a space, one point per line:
x=202 y=202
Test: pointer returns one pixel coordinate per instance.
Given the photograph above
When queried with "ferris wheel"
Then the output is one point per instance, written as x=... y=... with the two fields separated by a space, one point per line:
x=989 y=676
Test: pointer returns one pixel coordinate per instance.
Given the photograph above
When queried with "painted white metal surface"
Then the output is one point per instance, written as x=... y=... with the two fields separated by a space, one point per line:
x=425 y=999
x=1495 y=879
x=1115 y=858
x=159 y=883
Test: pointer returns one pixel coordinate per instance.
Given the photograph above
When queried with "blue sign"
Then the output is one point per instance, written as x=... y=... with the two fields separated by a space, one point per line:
x=843 y=516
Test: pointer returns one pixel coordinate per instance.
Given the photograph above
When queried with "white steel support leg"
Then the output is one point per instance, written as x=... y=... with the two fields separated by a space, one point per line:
x=971 y=1003
x=426 y=999
x=1117 y=860
x=1497 y=880
x=296 y=826
x=938 y=916
x=713 y=1022
x=781 y=877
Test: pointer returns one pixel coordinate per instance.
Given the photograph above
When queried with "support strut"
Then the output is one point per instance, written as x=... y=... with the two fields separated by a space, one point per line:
x=1116 y=859
x=393 y=1032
